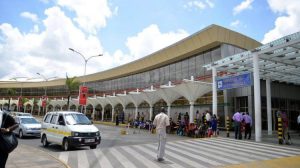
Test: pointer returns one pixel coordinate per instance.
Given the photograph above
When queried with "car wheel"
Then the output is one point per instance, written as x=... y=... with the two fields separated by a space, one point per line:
x=21 y=135
x=44 y=141
x=93 y=146
x=66 y=145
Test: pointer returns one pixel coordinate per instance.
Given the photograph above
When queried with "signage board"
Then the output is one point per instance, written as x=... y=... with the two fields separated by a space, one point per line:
x=83 y=91
x=236 y=81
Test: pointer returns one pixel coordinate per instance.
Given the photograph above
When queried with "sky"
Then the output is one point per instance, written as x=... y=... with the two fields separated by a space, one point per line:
x=35 y=35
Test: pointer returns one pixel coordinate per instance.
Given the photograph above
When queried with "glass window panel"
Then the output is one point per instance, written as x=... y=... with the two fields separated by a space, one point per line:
x=185 y=69
x=178 y=71
x=192 y=66
x=167 y=74
x=172 y=72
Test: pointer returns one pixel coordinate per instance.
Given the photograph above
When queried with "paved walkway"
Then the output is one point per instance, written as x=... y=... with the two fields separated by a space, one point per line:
x=28 y=157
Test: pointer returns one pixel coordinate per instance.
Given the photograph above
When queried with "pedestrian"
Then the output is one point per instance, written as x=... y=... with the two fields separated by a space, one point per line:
x=161 y=121
x=142 y=117
x=237 y=118
x=248 y=121
x=298 y=121
x=7 y=124
x=208 y=118
x=285 y=127
x=214 y=125
x=117 y=119
x=186 y=118
x=198 y=118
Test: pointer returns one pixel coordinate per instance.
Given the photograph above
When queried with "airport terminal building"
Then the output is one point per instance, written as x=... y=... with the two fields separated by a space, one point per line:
x=176 y=78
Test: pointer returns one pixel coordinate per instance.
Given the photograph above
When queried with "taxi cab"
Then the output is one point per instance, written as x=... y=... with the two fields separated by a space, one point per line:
x=69 y=129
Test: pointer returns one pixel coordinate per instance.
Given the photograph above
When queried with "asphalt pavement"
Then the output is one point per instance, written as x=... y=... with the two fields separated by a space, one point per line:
x=27 y=156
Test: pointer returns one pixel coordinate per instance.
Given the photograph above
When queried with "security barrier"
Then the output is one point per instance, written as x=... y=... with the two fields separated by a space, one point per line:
x=227 y=126
x=280 y=140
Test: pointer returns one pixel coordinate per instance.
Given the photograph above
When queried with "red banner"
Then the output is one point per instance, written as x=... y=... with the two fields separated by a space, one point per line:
x=44 y=101
x=83 y=91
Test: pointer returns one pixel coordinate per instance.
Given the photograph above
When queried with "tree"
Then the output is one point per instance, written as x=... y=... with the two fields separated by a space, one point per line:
x=10 y=92
x=71 y=84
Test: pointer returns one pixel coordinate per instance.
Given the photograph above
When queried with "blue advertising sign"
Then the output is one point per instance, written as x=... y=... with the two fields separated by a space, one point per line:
x=236 y=81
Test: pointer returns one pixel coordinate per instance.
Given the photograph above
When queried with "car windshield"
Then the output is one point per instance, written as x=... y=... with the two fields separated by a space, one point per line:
x=77 y=119
x=29 y=121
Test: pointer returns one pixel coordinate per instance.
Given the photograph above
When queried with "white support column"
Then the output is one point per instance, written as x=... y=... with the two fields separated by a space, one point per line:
x=84 y=109
x=94 y=112
x=112 y=114
x=61 y=108
x=46 y=110
x=32 y=108
x=191 y=112
x=269 y=113
x=102 y=114
x=150 y=112
x=169 y=110
x=136 y=111
x=39 y=112
x=214 y=90
x=257 y=101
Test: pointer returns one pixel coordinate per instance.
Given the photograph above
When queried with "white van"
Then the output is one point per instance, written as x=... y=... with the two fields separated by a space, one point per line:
x=69 y=129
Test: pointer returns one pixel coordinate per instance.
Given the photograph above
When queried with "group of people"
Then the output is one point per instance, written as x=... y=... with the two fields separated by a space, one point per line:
x=242 y=123
x=207 y=125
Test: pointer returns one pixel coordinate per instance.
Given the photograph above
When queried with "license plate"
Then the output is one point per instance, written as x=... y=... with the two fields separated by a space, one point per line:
x=89 y=140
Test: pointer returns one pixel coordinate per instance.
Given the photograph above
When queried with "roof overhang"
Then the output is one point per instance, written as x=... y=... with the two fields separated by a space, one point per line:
x=279 y=60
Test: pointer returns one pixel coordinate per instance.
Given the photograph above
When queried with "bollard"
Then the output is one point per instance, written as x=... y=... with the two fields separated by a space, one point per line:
x=227 y=126
x=280 y=140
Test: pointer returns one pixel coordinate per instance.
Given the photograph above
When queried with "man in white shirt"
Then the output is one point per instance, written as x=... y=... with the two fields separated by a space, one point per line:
x=161 y=121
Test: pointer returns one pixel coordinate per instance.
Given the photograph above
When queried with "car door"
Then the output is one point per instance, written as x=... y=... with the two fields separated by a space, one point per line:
x=61 y=128
x=52 y=129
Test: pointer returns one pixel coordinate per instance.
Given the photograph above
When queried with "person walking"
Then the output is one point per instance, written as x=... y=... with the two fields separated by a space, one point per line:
x=7 y=124
x=161 y=121
x=248 y=120
x=237 y=118
x=298 y=121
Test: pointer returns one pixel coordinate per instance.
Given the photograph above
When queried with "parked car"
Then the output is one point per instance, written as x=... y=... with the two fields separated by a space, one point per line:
x=28 y=126
x=14 y=114
x=69 y=129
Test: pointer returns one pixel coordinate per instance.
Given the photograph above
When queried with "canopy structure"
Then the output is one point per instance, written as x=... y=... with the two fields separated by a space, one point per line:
x=278 y=60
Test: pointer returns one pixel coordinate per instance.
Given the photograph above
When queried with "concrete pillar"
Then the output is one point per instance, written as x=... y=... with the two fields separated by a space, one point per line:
x=136 y=111
x=102 y=114
x=226 y=105
x=94 y=112
x=112 y=114
x=169 y=110
x=191 y=112
x=150 y=112
x=214 y=90
x=39 y=112
x=257 y=98
x=269 y=108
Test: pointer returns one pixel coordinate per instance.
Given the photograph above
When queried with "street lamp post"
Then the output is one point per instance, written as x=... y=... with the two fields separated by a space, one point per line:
x=85 y=63
x=17 y=80
x=46 y=80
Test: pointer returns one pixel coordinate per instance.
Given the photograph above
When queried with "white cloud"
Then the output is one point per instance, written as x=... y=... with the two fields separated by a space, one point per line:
x=235 y=23
x=288 y=22
x=199 y=4
x=30 y=16
x=90 y=15
x=151 y=40
x=46 y=51
x=242 y=6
